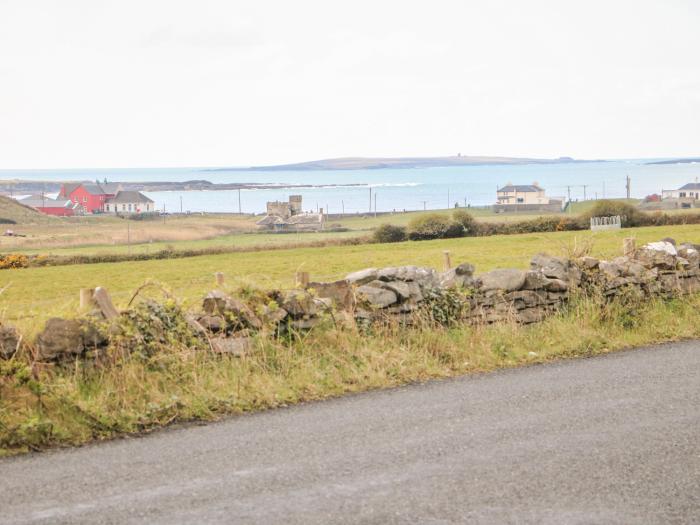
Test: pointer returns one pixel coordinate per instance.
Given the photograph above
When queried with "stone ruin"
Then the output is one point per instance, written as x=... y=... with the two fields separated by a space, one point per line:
x=399 y=294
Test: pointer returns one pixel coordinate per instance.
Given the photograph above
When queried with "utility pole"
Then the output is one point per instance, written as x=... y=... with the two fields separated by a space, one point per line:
x=628 y=186
x=342 y=205
x=424 y=203
x=239 y=202
x=370 y=199
x=584 y=191
x=568 y=191
x=180 y=204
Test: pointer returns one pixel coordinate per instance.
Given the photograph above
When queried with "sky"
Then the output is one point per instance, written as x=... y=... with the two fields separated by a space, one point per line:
x=164 y=83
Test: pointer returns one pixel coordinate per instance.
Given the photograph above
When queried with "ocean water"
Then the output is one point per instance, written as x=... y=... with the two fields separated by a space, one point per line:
x=394 y=189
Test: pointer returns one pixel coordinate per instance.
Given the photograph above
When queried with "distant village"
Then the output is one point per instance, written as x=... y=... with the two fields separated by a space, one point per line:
x=91 y=198
x=87 y=198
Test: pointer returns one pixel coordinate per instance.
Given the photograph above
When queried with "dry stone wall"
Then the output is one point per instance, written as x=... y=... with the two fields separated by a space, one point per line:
x=227 y=324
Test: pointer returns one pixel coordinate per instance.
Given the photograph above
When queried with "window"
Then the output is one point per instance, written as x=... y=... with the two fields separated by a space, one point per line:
x=123 y=207
x=129 y=206
x=682 y=194
x=520 y=200
x=85 y=198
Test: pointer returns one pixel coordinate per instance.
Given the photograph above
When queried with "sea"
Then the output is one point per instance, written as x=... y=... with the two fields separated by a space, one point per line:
x=385 y=190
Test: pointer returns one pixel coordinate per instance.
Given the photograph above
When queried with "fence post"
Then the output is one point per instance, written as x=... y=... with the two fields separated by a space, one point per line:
x=86 y=298
x=447 y=264
x=301 y=279
x=629 y=246
x=103 y=301
x=219 y=278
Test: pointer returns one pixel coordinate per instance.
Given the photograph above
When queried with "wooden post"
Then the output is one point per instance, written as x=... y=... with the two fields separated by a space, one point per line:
x=219 y=278
x=302 y=279
x=629 y=246
x=86 y=298
x=101 y=298
x=447 y=265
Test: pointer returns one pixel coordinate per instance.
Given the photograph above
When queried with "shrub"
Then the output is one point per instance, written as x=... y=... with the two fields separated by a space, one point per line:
x=389 y=233
x=13 y=260
x=631 y=216
x=433 y=226
x=466 y=220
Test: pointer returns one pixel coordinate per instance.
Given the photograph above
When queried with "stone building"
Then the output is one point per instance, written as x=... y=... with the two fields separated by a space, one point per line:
x=289 y=217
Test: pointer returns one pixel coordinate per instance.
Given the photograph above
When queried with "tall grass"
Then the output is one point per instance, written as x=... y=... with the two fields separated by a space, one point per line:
x=72 y=404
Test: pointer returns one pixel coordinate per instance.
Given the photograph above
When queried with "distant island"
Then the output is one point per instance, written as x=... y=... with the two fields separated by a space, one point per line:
x=368 y=163
x=691 y=160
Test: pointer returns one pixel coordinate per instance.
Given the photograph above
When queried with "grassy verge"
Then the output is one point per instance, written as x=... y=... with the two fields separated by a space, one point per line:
x=43 y=407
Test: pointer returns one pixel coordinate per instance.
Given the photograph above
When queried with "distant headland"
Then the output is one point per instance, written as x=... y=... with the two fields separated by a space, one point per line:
x=691 y=160
x=370 y=163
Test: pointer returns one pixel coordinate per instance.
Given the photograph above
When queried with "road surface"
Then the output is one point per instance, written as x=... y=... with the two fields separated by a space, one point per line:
x=614 y=439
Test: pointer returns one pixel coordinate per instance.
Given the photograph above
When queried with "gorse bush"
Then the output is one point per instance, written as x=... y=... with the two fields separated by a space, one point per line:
x=433 y=226
x=13 y=260
x=389 y=233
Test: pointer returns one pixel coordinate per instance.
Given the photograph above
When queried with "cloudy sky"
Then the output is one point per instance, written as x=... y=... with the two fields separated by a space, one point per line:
x=124 y=83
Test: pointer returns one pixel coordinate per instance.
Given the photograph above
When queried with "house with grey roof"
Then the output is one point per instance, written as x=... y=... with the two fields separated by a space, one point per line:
x=127 y=202
x=687 y=196
x=531 y=197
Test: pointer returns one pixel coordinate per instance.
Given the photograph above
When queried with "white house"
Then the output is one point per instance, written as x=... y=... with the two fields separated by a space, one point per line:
x=129 y=202
x=689 y=191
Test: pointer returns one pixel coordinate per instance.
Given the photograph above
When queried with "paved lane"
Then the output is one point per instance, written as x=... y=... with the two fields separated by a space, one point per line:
x=614 y=439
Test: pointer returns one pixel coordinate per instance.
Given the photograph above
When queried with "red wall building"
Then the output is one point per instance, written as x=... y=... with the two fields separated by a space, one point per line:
x=91 y=197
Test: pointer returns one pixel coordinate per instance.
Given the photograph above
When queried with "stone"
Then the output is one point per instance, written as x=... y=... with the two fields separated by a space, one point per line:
x=557 y=285
x=362 y=277
x=400 y=288
x=530 y=315
x=660 y=255
x=233 y=346
x=304 y=324
x=274 y=315
x=68 y=338
x=219 y=303
x=426 y=277
x=610 y=270
x=507 y=280
x=299 y=303
x=535 y=280
x=376 y=297
x=212 y=323
x=9 y=341
x=552 y=267
x=340 y=292
x=589 y=263
x=669 y=240
x=459 y=277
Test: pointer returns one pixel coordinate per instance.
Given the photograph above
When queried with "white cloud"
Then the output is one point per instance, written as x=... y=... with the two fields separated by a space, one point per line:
x=163 y=82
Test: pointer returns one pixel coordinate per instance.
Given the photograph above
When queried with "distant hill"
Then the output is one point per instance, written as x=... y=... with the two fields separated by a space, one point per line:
x=691 y=160
x=364 y=163
x=18 y=213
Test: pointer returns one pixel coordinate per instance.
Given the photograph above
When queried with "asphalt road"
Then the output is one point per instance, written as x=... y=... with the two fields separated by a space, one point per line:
x=614 y=439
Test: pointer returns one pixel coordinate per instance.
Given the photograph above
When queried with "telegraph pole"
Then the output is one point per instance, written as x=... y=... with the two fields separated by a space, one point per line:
x=180 y=204
x=584 y=191
x=370 y=199
x=628 y=186
x=424 y=203
x=342 y=205
x=568 y=191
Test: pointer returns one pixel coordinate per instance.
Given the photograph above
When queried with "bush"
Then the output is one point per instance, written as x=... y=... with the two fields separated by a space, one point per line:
x=433 y=226
x=13 y=260
x=631 y=216
x=389 y=233
x=469 y=225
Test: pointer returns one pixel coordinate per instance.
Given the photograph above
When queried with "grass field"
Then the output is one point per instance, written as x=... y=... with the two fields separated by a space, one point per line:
x=34 y=294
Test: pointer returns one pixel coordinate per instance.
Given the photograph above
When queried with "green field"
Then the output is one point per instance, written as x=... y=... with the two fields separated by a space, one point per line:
x=34 y=294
